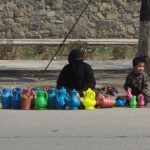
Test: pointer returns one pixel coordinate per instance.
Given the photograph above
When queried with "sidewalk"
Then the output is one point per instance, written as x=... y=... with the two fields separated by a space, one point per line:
x=58 y=65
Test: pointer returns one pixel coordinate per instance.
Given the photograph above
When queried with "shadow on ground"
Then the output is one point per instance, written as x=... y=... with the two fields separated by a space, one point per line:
x=30 y=78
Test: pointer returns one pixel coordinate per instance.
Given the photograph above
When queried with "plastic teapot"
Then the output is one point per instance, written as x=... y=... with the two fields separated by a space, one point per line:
x=61 y=98
x=89 y=99
x=6 y=98
x=73 y=101
x=16 y=96
x=41 y=100
x=26 y=99
x=51 y=98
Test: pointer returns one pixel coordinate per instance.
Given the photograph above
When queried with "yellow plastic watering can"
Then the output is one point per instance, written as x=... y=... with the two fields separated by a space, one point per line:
x=89 y=99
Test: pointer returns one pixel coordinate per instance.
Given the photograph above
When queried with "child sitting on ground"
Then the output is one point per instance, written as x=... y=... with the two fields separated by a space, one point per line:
x=136 y=81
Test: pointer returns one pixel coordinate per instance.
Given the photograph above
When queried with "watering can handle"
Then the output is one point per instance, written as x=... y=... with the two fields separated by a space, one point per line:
x=29 y=90
x=46 y=96
x=67 y=96
x=11 y=92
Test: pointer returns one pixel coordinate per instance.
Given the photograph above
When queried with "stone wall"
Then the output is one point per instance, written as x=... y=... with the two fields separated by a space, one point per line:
x=54 y=18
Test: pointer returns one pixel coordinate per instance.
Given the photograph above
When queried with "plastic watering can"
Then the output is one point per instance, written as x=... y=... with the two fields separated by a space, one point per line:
x=61 y=98
x=6 y=98
x=51 y=98
x=41 y=100
x=89 y=99
x=73 y=101
x=16 y=95
x=26 y=99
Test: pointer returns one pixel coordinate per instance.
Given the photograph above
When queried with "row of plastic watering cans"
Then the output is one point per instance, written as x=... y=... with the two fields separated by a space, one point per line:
x=52 y=98
x=62 y=98
x=18 y=98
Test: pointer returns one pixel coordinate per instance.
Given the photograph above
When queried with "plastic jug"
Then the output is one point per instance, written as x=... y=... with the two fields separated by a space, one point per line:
x=16 y=95
x=73 y=101
x=129 y=95
x=141 y=102
x=51 y=98
x=61 y=98
x=6 y=98
x=26 y=99
x=89 y=99
x=133 y=102
x=41 y=100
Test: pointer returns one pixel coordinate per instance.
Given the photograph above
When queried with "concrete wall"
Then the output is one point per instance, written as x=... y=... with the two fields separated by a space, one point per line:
x=54 y=18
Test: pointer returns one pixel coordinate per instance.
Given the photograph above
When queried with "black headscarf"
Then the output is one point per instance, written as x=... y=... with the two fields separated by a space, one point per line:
x=76 y=63
x=75 y=55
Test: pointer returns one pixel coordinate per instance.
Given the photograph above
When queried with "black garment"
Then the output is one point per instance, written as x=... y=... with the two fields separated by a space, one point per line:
x=77 y=75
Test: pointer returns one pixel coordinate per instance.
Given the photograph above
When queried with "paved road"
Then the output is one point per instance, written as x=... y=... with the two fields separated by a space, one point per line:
x=101 y=129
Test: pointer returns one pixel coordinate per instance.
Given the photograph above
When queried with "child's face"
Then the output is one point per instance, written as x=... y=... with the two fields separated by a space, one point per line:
x=139 y=68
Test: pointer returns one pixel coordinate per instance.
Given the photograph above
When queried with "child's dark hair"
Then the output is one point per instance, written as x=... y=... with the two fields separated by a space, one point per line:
x=137 y=60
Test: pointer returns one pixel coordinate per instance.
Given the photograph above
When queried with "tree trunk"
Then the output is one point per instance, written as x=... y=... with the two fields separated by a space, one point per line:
x=144 y=33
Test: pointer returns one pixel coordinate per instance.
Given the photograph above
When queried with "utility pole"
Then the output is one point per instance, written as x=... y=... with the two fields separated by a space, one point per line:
x=144 y=33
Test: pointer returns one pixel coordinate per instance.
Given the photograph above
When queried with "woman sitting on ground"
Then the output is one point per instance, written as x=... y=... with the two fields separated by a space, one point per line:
x=77 y=74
